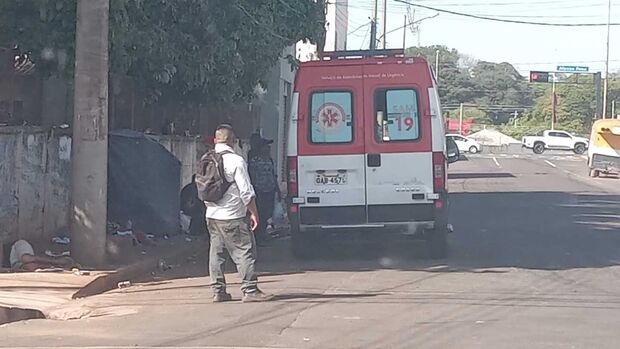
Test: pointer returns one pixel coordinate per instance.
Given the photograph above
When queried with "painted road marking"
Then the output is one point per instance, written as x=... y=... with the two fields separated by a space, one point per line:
x=551 y=164
x=496 y=162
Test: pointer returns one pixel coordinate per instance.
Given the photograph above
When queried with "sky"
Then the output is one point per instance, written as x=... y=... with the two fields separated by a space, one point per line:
x=527 y=47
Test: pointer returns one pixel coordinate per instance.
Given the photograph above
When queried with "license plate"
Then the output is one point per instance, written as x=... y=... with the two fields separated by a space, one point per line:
x=330 y=179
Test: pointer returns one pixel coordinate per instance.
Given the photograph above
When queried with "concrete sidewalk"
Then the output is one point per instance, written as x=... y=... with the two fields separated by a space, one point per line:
x=48 y=293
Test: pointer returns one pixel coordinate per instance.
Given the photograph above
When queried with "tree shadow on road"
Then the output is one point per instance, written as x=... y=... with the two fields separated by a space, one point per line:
x=494 y=232
x=531 y=230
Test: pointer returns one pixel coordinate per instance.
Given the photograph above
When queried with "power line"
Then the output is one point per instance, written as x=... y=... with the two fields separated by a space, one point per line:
x=358 y=28
x=408 y=24
x=365 y=36
x=526 y=3
x=533 y=5
x=506 y=20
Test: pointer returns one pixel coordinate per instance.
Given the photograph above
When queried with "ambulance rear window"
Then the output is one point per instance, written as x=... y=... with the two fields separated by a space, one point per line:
x=397 y=116
x=332 y=117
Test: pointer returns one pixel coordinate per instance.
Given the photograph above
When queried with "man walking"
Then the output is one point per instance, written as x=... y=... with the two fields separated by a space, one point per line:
x=227 y=222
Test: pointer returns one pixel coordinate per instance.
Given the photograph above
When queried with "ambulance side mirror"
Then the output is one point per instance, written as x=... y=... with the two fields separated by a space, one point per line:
x=452 y=150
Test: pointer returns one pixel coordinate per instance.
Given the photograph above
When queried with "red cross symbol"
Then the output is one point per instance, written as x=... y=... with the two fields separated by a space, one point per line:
x=330 y=118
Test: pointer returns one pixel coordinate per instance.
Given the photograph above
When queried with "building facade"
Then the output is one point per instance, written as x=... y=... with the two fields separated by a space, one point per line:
x=336 y=27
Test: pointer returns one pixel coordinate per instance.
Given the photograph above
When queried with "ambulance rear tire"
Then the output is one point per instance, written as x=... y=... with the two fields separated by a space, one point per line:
x=438 y=243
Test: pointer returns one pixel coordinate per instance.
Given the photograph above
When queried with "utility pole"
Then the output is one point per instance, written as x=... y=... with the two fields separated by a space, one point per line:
x=599 y=94
x=384 y=24
x=437 y=66
x=89 y=160
x=405 y=34
x=606 y=82
x=553 y=104
x=373 y=27
x=613 y=109
x=461 y=119
x=515 y=117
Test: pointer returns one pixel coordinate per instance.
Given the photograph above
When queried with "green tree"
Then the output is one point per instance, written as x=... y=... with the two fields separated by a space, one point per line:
x=495 y=89
x=216 y=50
x=454 y=82
x=576 y=105
x=500 y=88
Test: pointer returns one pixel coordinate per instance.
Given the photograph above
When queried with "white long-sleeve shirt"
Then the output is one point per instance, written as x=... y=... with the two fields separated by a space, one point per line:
x=238 y=196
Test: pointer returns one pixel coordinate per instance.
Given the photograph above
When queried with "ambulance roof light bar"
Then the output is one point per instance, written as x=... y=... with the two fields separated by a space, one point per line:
x=363 y=53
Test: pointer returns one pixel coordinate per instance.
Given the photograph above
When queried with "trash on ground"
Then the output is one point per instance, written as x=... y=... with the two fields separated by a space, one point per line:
x=49 y=270
x=124 y=233
x=61 y=240
x=79 y=272
x=185 y=222
x=163 y=266
x=52 y=254
x=124 y=284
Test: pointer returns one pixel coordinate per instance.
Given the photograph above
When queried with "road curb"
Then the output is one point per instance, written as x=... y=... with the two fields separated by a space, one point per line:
x=589 y=182
x=132 y=272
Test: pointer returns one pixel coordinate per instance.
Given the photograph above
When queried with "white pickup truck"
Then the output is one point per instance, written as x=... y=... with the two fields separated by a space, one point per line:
x=557 y=140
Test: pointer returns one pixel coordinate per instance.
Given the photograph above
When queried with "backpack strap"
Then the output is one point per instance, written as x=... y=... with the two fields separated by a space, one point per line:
x=223 y=174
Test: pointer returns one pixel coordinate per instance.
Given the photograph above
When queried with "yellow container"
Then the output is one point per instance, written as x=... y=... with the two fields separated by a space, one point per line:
x=604 y=148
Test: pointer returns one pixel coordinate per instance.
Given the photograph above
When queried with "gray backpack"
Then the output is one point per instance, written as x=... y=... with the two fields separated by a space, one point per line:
x=210 y=180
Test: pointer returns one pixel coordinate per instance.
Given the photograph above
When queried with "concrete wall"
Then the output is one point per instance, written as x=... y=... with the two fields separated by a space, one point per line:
x=35 y=179
x=336 y=28
x=188 y=150
x=275 y=108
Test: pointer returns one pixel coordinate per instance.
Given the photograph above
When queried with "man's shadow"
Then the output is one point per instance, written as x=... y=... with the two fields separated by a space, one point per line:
x=302 y=296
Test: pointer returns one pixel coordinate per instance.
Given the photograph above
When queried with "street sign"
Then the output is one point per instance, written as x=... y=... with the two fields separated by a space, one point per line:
x=573 y=69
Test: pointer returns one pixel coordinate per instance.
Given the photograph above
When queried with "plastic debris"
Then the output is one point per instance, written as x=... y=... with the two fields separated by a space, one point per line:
x=124 y=284
x=52 y=254
x=185 y=221
x=124 y=233
x=79 y=272
x=61 y=240
x=163 y=266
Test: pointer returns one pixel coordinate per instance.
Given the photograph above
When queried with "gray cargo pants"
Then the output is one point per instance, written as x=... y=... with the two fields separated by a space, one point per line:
x=234 y=236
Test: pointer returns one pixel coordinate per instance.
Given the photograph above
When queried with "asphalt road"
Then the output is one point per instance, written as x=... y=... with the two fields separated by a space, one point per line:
x=534 y=263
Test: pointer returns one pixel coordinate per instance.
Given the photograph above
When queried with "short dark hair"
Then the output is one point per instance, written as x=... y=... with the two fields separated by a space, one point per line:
x=224 y=133
x=224 y=127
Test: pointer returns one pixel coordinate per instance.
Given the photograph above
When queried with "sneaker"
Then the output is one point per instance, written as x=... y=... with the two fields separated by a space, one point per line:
x=222 y=297
x=257 y=296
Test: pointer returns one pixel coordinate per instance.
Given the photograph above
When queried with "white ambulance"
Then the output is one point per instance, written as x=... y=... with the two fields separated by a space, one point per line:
x=367 y=150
